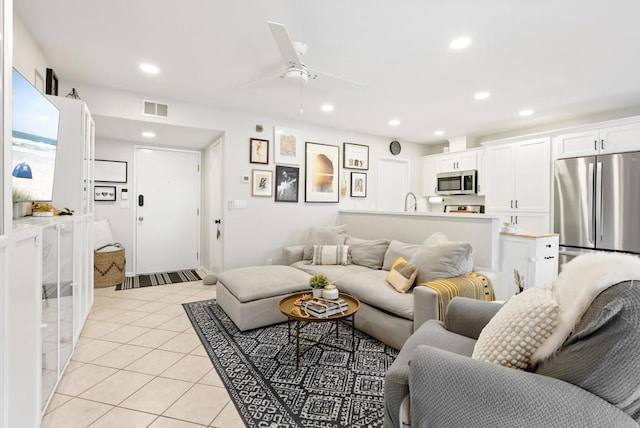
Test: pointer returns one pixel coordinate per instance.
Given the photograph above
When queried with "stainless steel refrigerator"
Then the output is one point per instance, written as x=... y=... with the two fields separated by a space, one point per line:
x=597 y=204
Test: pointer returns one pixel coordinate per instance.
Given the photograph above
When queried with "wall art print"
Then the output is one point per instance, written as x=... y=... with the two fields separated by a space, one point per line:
x=356 y=156
x=287 y=179
x=322 y=179
x=286 y=146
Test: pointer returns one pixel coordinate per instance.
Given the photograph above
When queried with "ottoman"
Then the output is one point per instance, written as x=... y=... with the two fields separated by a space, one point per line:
x=250 y=295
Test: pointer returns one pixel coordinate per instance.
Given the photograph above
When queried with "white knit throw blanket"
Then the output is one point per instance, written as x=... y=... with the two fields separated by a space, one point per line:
x=579 y=283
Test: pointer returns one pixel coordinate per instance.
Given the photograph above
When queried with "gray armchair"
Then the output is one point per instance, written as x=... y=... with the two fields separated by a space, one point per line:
x=592 y=381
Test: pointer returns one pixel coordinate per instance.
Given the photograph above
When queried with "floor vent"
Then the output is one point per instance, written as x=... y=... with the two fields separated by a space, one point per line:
x=150 y=108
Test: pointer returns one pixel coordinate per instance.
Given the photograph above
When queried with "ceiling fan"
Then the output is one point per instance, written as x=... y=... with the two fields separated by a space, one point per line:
x=295 y=70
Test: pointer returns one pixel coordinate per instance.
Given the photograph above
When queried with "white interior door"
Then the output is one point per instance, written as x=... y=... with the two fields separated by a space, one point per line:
x=393 y=183
x=167 y=210
x=215 y=247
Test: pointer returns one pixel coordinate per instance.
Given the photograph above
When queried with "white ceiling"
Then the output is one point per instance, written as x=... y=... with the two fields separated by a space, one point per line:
x=564 y=59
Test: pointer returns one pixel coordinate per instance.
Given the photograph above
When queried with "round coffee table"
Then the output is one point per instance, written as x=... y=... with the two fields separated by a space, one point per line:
x=295 y=313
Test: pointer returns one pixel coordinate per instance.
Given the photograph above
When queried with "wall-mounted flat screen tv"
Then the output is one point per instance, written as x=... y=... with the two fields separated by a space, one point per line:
x=35 y=140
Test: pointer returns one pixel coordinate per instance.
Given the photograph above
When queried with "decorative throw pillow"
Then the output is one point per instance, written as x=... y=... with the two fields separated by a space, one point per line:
x=402 y=275
x=368 y=253
x=326 y=235
x=101 y=233
x=398 y=249
x=443 y=260
x=330 y=255
x=518 y=329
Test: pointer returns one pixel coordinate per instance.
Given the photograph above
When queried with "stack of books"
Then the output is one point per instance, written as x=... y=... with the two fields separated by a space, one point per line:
x=323 y=308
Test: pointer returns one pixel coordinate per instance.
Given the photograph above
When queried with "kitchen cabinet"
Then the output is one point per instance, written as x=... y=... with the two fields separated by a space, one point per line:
x=518 y=181
x=74 y=159
x=533 y=255
x=612 y=139
x=458 y=161
x=446 y=162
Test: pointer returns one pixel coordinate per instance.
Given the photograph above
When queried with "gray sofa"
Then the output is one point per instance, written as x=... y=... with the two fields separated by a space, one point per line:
x=592 y=381
x=386 y=314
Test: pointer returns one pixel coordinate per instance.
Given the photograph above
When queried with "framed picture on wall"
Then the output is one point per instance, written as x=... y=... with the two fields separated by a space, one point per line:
x=110 y=171
x=322 y=179
x=286 y=146
x=356 y=156
x=104 y=193
x=259 y=151
x=261 y=182
x=358 y=185
x=287 y=179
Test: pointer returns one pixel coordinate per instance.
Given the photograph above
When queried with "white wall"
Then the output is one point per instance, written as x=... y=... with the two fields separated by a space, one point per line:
x=120 y=219
x=27 y=54
x=258 y=233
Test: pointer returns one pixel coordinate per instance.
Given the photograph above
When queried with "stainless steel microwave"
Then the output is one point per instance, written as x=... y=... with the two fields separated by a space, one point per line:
x=457 y=182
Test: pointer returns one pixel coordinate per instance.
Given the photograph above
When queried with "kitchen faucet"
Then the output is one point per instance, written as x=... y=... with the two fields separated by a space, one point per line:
x=413 y=206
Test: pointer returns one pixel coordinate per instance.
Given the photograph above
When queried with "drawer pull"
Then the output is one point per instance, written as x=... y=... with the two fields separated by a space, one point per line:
x=549 y=257
x=548 y=245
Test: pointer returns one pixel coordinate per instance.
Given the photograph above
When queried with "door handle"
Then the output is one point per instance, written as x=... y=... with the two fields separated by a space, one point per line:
x=590 y=210
x=140 y=218
x=599 y=206
x=141 y=200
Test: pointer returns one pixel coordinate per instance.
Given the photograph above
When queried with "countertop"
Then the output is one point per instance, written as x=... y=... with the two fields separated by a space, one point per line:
x=426 y=214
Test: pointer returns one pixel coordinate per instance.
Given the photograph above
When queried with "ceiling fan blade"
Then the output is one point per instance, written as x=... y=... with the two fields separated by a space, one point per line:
x=323 y=73
x=285 y=44
x=259 y=81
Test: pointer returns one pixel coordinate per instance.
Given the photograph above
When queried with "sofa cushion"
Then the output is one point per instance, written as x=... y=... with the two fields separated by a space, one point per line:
x=601 y=355
x=367 y=252
x=518 y=329
x=330 y=255
x=398 y=249
x=402 y=275
x=333 y=272
x=442 y=260
x=326 y=235
x=370 y=287
x=259 y=282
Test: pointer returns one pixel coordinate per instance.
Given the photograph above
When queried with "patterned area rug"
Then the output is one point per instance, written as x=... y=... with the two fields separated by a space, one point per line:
x=162 y=278
x=258 y=368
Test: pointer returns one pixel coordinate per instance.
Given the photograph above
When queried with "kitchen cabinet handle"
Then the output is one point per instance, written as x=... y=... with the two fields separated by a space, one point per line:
x=548 y=245
x=516 y=203
x=595 y=145
x=516 y=219
x=511 y=219
x=511 y=203
x=601 y=144
x=549 y=257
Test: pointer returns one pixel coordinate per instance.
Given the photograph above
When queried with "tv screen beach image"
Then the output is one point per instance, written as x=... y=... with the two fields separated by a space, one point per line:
x=35 y=139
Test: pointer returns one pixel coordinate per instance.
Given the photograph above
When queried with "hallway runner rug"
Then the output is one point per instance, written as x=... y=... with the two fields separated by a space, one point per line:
x=332 y=388
x=162 y=278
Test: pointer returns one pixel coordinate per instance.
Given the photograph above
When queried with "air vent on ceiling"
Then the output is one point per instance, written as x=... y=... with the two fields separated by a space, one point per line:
x=151 y=108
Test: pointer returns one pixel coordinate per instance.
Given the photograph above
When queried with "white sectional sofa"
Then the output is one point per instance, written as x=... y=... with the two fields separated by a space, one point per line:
x=250 y=295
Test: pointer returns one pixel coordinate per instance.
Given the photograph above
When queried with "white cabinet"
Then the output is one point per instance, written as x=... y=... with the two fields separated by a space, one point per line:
x=518 y=181
x=448 y=162
x=458 y=161
x=49 y=295
x=533 y=255
x=613 y=139
x=23 y=329
x=429 y=171
x=74 y=158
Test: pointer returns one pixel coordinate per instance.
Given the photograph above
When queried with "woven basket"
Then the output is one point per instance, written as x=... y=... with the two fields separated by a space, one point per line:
x=108 y=268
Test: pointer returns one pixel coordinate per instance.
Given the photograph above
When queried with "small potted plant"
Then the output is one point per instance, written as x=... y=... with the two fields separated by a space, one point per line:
x=317 y=282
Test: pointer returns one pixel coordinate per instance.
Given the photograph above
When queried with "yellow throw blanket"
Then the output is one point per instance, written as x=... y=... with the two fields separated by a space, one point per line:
x=472 y=284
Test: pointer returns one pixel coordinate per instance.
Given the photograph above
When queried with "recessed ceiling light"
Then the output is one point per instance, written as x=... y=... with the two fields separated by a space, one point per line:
x=327 y=107
x=482 y=95
x=149 y=68
x=527 y=112
x=438 y=133
x=394 y=122
x=460 y=43
x=148 y=134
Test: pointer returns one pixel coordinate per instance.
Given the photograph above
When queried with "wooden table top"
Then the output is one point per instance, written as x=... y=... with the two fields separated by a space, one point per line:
x=289 y=308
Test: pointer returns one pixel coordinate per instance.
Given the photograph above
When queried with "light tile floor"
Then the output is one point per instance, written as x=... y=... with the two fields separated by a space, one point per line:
x=139 y=363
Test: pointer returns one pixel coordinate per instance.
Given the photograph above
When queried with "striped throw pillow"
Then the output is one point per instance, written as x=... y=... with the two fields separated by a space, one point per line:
x=330 y=255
